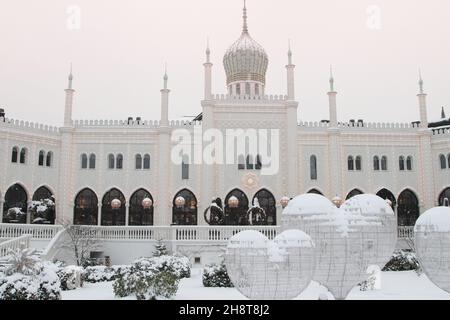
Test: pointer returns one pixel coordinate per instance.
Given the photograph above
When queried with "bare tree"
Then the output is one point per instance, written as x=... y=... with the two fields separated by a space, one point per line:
x=80 y=241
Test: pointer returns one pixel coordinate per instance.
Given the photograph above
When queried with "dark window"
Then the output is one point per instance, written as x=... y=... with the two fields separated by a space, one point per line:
x=41 y=158
x=84 y=161
x=92 y=161
x=85 y=211
x=384 y=163
x=147 y=162
x=241 y=162
x=48 y=161
x=138 y=161
x=187 y=213
x=387 y=195
x=15 y=205
x=408 y=208
x=23 y=155
x=249 y=162
x=443 y=196
x=258 y=163
x=376 y=163
x=315 y=191
x=119 y=161
x=185 y=169
x=45 y=196
x=236 y=216
x=409 y=163
x=442 y=161
x=14 y=154
x=266 y=201
x=350 y=163
x=358 y=164
x=113 y=216
x=401 y=163
x=353 y=193
x=140 y=215
x=111 y=161
x=313 y=167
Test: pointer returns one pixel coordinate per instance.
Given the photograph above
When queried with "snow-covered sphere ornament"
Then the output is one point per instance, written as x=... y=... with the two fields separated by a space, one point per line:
x=233 y=202
x=270 y=270
x=116 y=204
x=284 y=201
x=180 y=202
x=362 y=232
x=147 y=203
x=432 y=243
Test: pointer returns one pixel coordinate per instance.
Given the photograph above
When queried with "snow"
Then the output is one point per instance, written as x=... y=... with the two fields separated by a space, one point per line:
x=404 y=285
x=436 y=219
x=307 y=204
x=248 y=238
x=293 y=238
x=367 y=204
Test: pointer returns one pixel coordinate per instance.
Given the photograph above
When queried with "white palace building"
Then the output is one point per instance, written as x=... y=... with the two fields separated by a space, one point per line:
x=118 y=175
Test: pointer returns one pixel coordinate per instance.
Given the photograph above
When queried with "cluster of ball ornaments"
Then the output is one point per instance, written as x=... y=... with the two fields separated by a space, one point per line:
x=342 y=243
x=432 y=242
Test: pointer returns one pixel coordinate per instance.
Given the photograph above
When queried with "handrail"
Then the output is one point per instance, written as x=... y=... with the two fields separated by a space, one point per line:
x=22 y=242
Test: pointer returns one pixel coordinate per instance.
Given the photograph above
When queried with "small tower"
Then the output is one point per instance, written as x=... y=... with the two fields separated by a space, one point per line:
x=290 y=75
x=422 y=103
x=208 y=73
x=443 y=113
x=69 y=101
x=332 y=101
x=165 y=102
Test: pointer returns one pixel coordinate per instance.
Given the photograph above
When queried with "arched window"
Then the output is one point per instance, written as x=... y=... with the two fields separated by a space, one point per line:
x=48 y=160
x=445 y=194
x=358 y=164
x=185 y=213
x=350 y=163
x=238 y=89
x=112 y=216
x=138 y=158
x=119 y=161
x=241 y=162
x=315 y=191
x=147 y=162
x=111 y=161
x=185 y=168
x=258 y=163
x=41 y=158
x=353 y=193
x=376 y=163
x=386 y=194
x=140 y=215
x=23 y=155
x=15 y=205
x=448 y=160
x=408 y=208
x=384 y=163
x=46 y=212
x=401 y=163
x=92 y=161
x=249 y=162
x=14 y=154
x=442 y=161
x=409 y=163
x=313 y=167
x=235 y=216
x=267 y=201
x=84 y=161
x=85 y=211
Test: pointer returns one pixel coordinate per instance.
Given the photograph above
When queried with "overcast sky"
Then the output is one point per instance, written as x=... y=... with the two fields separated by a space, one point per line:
x=119 y=51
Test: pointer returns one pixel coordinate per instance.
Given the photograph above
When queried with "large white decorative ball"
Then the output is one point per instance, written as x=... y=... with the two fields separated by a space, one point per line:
x=432 y=242
x=116 y=204
x=270 y=270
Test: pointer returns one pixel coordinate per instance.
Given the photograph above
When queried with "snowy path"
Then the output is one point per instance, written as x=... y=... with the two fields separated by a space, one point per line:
x=394 y=286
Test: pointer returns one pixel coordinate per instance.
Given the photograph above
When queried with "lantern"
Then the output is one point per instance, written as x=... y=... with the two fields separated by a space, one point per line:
x=116 y=204
x=180 y=202
x=233 y=202
x=337 y=201
x=284 y=201
x=147 y=203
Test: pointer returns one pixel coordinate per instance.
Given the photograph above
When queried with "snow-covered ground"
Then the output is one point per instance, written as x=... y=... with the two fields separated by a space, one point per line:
x=394 y=286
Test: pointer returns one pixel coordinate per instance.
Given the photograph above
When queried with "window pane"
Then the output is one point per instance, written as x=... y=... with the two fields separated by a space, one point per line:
x=313 y=167
x=41 y=158
x=249 y=162
x=23 y=154
x=376 y=163
x=384 y=163
x=83 y=161
x=111 y=161
x=138 y=161
x=92 y=161
x=358 y=163
x=258 y=164
x=147 y=162
x=185 y=171
x=48 y=162
x=409 y=163
x=14 y=155
x=119 y=164
x=350 y=164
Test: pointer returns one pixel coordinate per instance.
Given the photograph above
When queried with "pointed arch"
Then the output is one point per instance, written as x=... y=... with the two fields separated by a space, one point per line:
x=15 y=205
x=85 y=210
x=387 y=195
x=315 y=191
x=111 y=216
x=408 y=208
x=236 y=216
x=353 y=193
x=268 y=203
x=138 y=215
x=45 y=197
x=187 y=213
x=41 y=158
x=376 y=163
x=445 y=194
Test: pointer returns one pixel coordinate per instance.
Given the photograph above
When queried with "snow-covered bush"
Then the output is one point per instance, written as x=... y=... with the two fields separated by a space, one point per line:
x=102 y=273
x=160 y=249
x=71 y=277
x=152 y=278
x=42 y=211
x=215 y=275
x=16 y=215
x=29 y=278
x=403 y=260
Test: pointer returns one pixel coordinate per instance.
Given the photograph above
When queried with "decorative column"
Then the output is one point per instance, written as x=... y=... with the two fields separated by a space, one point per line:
x=332 y=102
x=290 y=76
x=208 y=178
x=422 y=104
x=208 y=71
x=1 y=208
x=127 y=213
x=292 y=149
x=99 y=214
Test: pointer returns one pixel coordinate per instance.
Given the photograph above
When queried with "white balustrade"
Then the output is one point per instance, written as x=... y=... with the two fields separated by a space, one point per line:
x=405 y=232
x=10 y=230
x=22 y=242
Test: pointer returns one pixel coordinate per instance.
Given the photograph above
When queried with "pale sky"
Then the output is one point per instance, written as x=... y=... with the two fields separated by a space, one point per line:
x=118 y=55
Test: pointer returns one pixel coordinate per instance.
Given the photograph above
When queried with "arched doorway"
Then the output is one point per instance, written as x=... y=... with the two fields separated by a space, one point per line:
x=141 y=214
x=236 y=215
x=85 y=211
x=184 y=211
x=408 y=208
x=445 y=194
x=15 y=206
x=42 y=209
x=268 y=203
x=112 y=215
x=353 y=193
x=315 y=191
x=387 y=195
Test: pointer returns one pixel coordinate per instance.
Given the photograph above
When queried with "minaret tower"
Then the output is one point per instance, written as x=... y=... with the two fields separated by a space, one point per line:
x=69 y=102
x=332 y=101
x=165 y=101
x=422 y=104
x=208 y=71
x=290 y=76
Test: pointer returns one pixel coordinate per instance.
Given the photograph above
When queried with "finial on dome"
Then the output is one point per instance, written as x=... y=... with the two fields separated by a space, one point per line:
x=165 y=76
x=245 y=26
x=443 y=113
x=70 y=76
x=331 y=79
x=420 y=81
x=289 y=52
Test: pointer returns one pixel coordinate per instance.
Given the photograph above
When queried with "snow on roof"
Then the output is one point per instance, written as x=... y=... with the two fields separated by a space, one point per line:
x=437 y=219
x=248 y=238
x=308 y=204
x=293 y=238
x=367 y=204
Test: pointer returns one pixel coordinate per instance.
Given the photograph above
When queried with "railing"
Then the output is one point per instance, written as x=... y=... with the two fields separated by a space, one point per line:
x=22 y=242
x=44 y=232
x=405 y=232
